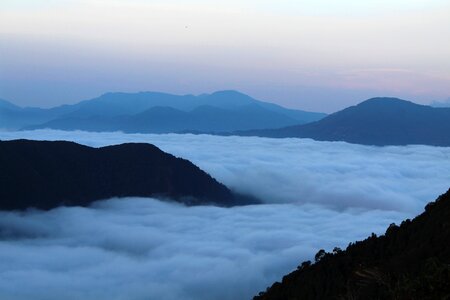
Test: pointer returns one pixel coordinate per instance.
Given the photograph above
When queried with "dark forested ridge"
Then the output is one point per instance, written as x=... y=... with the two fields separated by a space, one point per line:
x=45 y=174
x=411 y=261
x=377 y=121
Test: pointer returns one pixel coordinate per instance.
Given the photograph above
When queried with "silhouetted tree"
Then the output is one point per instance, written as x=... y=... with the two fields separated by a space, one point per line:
x=319 y=255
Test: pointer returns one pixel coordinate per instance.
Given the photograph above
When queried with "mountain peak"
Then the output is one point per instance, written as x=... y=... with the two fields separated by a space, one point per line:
x=230 y=97
x=377 y=121
x=385 y=101
x=128 y=94
x=230 y=93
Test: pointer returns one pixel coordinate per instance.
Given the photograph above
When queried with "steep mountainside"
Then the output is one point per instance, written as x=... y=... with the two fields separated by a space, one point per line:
x=48 y=174
x=377 y=121
x=411 y=261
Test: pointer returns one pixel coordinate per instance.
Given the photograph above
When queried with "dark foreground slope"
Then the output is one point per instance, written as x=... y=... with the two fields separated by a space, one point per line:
x=48 y=174
x=377 y=121
x=411 y=261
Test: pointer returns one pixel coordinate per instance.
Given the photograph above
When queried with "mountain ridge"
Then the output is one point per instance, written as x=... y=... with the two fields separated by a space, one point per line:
x=46 y=174
x=120 y=104
x=378 y=121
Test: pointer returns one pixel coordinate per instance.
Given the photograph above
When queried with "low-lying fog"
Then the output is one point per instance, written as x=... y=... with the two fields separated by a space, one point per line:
x=317 y=195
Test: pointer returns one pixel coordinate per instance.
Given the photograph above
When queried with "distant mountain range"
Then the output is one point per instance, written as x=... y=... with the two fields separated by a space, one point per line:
x=377 y=121
x=411 y=261
x=45 y=175
x=151 y=112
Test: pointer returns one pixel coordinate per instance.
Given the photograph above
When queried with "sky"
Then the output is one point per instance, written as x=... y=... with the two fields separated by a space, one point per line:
x=319 y=55
x=315 y=195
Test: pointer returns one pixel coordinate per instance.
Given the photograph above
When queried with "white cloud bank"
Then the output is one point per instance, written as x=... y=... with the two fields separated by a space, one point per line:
x=335 y=174
x=146 y=249
x=318 y=195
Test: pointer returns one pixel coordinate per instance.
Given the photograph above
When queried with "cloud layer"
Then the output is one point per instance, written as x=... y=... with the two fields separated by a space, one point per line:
x=317 y=194
x=146 y=249
x=335 y=174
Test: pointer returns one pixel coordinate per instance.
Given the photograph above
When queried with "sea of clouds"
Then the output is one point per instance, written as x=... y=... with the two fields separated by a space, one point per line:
x=316 y=195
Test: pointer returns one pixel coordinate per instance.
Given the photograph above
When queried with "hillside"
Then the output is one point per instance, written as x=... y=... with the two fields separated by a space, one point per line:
x=48 y=174
x=411 y=261
x=377 y=121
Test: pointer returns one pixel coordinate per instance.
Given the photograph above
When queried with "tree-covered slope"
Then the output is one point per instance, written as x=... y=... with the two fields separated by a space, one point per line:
x=411 y=261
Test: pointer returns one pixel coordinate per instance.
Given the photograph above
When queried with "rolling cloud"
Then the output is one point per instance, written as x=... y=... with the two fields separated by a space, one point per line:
x=334 y=174
x=317 y=195
x=147 y=249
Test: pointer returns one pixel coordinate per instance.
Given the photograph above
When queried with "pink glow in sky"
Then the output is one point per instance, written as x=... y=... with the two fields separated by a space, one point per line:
x=313 y=55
